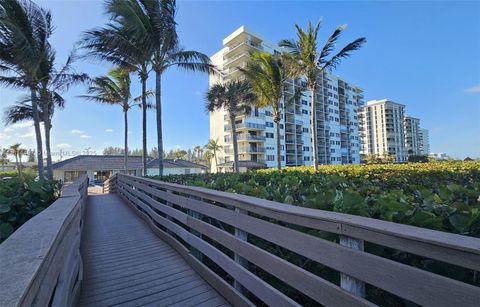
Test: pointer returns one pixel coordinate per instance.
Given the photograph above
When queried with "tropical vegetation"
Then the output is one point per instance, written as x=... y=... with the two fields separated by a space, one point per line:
x=114 y=89
x=21 y=198
x=236 y=97
x=143 y=34
x=27 y=61
x=438 y=195
x=442 y=196
x=267 y=75
x=307 y=60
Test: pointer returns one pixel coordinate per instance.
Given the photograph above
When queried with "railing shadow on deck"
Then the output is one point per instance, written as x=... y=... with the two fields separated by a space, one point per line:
x=40 y=263
x=201 y=223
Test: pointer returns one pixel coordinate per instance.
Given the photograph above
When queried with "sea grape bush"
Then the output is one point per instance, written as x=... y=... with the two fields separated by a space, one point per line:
x=23 y=198
x=437 y=195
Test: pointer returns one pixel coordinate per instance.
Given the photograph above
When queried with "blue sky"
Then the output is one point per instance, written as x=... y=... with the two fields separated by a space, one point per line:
x=425 y=54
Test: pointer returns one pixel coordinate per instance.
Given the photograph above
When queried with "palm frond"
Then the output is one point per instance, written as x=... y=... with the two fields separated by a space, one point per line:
x=330 y=44
x=344 y=53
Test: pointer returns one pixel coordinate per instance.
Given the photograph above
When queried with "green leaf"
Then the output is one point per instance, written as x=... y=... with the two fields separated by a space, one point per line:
x=6 y=229
x=4 y=207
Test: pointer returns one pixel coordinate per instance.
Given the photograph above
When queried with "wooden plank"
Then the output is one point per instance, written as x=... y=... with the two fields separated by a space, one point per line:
x=354 y=263
x=313 y=286
x=127 y=276
x=162 y=294
x=460 y=250
x=194 y=300
x=253 y=283
x=113 y=296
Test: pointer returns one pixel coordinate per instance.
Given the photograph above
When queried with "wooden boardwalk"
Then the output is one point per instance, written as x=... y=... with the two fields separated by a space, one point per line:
x=126 y=264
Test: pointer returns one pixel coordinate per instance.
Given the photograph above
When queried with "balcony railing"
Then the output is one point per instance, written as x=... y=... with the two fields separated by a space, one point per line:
x=245 y=149
x=245 y=125
x=246 y=137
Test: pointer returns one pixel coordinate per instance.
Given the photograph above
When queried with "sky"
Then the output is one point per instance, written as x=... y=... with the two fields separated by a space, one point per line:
x=424 y=54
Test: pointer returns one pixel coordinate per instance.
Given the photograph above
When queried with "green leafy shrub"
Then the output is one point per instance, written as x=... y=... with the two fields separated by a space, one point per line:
x=437 y=195
x=4 y=174
x=21 y=199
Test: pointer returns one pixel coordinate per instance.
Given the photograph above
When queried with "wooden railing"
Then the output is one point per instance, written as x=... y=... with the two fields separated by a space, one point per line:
x=109 y=185
x=202 y=223
x=40 y=263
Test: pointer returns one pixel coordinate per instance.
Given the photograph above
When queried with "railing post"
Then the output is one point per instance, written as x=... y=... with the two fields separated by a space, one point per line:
x=241 y=235
x=352 y=285
x=196 y=253
x=169 y=204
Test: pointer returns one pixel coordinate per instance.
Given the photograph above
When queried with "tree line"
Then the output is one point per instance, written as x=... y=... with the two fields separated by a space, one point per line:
x=197 y=154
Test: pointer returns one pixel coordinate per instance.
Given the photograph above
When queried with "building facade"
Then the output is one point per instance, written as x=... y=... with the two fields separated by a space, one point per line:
x=424 y=142
x=412 y=135
x=382 y=129
x=337 y=122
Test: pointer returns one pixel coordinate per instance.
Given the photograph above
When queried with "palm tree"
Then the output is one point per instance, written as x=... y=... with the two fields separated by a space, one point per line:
x=24 y=32
x=198 y=150
x=17 y=152
x=307 y=60
x=267 y=75
x=49 y=97
x=114 y=89
x=4 y=158
x=152 y=25
x=113 y=43
x=212 y=147
x=235 y=97
x=53 y=83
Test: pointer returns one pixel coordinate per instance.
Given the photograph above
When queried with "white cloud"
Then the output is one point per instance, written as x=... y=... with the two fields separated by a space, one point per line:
x=30 y=134
x=64 y=146
x=8 y=130
x=473 y=89
x=85 y=136
x=28 y=123
x=108 y=130
x=4 y=136
x=76 y=131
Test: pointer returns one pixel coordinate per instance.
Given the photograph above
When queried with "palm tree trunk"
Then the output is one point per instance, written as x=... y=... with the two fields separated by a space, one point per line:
x=125 y=118
x=38 y=136
x=18 y=166
x=313 y=127
x=277 y=119
x=48 y=151
x=235 y=145
x=143 y=78
x=216 y=162
x=158 y=105
x=279 y=154
x=47 y=127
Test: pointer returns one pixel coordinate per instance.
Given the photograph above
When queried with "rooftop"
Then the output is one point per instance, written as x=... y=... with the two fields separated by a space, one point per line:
x=105 y=162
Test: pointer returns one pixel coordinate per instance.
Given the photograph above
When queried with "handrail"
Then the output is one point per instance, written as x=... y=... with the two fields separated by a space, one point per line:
x=163 y=203
x=40 y=263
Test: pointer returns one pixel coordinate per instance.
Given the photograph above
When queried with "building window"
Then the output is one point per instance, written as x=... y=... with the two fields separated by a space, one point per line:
x=269 y=135
x=270 y=158
x=269 y=124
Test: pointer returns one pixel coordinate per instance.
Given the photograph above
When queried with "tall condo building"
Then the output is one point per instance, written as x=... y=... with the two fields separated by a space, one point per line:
x=337 y=123
x=412 y=137
x=424 y=142
x=382 y=129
